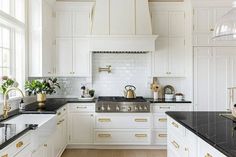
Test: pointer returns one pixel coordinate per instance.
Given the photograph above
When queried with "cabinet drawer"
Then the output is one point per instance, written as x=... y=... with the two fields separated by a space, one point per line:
x=122 y=137
x=175 y=145
x=82 y=107
x=163 y=108
x=160 y=121
x=62 y=111
x=123 y=122
x=16 y=146
x=175 y=127
x=206 y=150
x=160 y=137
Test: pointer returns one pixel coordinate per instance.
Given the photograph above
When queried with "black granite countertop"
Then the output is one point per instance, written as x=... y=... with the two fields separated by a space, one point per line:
x=162 y=100
x=216 y=130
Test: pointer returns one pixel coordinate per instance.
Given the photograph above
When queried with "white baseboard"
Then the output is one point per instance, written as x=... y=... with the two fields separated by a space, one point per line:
x=76 y=146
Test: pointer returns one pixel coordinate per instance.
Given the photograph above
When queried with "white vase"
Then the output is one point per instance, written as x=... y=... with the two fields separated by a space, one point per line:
x=155 y=95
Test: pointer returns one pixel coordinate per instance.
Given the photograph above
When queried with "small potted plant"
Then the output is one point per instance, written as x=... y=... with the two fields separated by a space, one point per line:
x=41 y=88
x=6 y=83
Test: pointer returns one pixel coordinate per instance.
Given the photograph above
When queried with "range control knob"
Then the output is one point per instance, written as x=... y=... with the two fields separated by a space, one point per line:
x=140 y=108
x=103 y=108
x=136 y=108
x=108 y=108
x=129 y=108
x=145 y=108
x=117 y=108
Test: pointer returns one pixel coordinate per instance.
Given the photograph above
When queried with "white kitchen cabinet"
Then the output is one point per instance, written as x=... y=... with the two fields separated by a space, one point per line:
x=64 y=57
x=205 y=19
x=26 y=152
x=81 y=23
x=169 y=59
x=160 y=120
x=81 y=57
x=81 y=123
x=41 y=151
x=81 y=128
x=64 y=23
x=214 y=70
x=41 y=38
x=73 y=57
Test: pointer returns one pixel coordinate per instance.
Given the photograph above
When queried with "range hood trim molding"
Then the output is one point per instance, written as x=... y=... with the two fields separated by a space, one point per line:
x=123 y=43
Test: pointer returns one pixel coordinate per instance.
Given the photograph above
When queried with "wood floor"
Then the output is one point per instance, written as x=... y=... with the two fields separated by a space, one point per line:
x=113 y=153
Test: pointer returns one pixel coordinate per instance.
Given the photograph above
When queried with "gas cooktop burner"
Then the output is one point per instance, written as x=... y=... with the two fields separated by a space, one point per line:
x=122 y=99
x=121 y=104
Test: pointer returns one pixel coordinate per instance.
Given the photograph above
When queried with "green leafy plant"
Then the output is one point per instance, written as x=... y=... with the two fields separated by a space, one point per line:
x=45 y=86
x=7 y=83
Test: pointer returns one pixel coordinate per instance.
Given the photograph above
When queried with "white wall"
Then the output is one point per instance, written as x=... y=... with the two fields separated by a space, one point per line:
x=127 y=69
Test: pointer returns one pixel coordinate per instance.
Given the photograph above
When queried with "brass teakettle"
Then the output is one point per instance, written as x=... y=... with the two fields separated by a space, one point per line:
x=130 y=92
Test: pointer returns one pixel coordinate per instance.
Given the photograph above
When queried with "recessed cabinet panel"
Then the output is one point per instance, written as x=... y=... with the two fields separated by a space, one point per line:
x=81 y=57
x=64 y=24
x=160 y=23
x=161 y=57
x=81 y=23
x=177 y=56
x=122 y=17
x=203 y=22
x=64 y=57
x=177 y=24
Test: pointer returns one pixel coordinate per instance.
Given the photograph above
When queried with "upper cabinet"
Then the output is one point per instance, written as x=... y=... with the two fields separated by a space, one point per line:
x=169 y=58
x=41 y=38
x=73 y=23
x=204 y=20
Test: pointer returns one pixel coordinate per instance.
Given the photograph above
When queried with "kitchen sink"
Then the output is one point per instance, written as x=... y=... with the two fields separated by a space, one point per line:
x=38 y=119
x=46 y=126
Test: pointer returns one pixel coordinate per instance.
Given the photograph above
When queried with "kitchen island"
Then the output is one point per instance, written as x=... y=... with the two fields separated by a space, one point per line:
x=201 y=134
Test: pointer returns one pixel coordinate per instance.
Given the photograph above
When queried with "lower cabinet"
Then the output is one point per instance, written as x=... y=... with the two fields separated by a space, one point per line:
x=184 y=143
x=81 y=123
x=41 y=152
x=26 y=152
x=81 y=128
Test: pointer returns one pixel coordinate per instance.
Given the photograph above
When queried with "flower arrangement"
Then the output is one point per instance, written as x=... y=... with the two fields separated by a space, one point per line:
x=7 y=83
x=41 y=88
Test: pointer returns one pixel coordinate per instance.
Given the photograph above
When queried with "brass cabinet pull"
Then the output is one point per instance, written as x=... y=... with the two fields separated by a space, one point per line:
x=175 y=125
x=164 y=107
x=162 y=135
x=59 y=113
x=104 y=135
x=19 y=144
x=140 y=120
x=162 y=119
x=6 y=155
x=61 y=120
x=208 y=155
x=58 y=123
x=140 y=135
x=104 y=120
x=212 y=29
x=45 y=145
x=81 y=107
x=175 y=144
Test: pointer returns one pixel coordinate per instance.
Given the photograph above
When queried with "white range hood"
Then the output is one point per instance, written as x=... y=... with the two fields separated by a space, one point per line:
x=122 y=26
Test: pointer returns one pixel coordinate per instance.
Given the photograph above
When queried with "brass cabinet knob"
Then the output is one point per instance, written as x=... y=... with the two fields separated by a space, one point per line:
x=6 y=155
x=19 y=144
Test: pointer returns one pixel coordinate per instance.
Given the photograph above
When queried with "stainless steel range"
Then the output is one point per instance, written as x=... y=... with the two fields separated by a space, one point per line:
x=121 y=104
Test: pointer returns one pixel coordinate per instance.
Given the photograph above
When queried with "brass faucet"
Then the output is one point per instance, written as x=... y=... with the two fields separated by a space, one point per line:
x=6 y=106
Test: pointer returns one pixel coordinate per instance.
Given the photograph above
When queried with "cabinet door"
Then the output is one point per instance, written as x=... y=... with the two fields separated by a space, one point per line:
x=203 y=76
x=64 y=132
x=203 y=20
x=122 y=17
x=160 y=23
x=81 y=23
x=161 y=58
x=64 y=24
x=78 y=134
x=40 y=152
x=176 y=24
x=177 y=57
x=64 y=57
x=26 y=152
x=81 y=57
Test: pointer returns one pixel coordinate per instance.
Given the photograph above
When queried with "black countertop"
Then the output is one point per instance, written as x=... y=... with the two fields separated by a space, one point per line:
x=162 y=100
x=216 y=130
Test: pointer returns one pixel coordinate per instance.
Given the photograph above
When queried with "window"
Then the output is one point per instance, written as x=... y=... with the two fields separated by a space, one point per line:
x=12 y=40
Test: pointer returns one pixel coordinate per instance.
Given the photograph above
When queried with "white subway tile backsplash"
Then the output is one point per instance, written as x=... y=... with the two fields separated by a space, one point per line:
x=126 y=69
